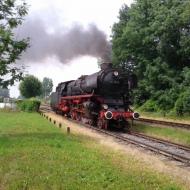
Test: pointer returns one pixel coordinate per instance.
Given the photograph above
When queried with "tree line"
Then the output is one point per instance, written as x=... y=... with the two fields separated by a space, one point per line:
x=152 y=39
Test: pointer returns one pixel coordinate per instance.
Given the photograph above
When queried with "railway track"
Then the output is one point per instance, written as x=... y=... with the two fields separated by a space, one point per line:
x=165 y=123
x=172 y=150
x=45 y=108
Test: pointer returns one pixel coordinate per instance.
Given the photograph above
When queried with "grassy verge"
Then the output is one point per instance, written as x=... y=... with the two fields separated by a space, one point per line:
x=35 y=155
x=167 y=117
x=177 y=135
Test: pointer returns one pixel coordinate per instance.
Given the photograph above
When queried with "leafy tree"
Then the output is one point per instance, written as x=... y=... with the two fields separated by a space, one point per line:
x=11 y=16
x=30 y=87
x=182 y=104
x=152 y=38
x=47 y=86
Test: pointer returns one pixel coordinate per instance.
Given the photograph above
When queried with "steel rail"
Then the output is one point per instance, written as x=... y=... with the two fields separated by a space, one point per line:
x=183 y=147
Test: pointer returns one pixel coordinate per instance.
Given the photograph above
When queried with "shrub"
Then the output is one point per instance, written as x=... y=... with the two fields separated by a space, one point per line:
x=149 y=106
x=165 y=102
x=182 y=104
x=28 y=105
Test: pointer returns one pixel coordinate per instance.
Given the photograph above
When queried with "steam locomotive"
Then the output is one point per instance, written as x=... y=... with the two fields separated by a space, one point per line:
x=101 y=99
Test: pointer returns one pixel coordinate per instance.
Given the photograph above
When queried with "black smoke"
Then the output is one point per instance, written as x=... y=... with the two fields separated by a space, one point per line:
x=63 y=43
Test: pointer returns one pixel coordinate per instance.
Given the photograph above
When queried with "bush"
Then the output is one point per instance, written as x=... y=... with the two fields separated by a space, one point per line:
x=165 y=102
x=149 y=106
x=28 y=105
x=182 y=104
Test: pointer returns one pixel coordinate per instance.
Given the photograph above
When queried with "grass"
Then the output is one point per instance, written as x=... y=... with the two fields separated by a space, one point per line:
x=35 y=155
x=168 y=116
x=177 y=135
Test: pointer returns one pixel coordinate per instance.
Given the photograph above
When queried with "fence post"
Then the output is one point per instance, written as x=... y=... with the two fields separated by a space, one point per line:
x=68 y=130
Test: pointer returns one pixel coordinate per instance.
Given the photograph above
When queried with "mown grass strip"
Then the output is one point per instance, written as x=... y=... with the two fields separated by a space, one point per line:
x=166 y=117
x=36 y=155
x=181 y=136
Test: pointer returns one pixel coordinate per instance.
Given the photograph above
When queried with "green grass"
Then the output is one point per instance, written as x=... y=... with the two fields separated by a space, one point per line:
x=35 y=155
x=168 y=116
x=177 y=135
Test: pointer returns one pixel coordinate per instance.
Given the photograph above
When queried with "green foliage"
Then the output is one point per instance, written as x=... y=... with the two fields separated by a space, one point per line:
x=186 y=76
x=28 y=105
x=152 y=39
x=149 y=106
x=30 y=87
x=166 y=99
x=47 y=86
x=11 y=16
x=182 y=104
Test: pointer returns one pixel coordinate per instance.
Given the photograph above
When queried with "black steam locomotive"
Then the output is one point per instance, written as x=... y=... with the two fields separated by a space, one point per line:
x=101 y=99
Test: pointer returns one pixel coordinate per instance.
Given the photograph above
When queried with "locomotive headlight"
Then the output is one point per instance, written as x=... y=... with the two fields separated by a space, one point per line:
x=105 y=106
x=115 y=73
x=108 y=115
x=136 y=115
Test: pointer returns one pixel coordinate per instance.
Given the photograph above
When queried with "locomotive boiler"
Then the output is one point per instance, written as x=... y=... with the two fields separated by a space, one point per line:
x=101 y=99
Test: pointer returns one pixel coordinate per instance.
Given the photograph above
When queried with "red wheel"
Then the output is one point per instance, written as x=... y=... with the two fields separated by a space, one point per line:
x=102 y=124
x=99 y=124
x=78 y=116
x=73 y=115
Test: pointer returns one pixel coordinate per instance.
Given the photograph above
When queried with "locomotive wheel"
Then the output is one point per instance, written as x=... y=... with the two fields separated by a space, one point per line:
x=99 y=124
x=127 y=127
x=78 y=116
x=73 y=115
x=90 y=122
x=102 y=124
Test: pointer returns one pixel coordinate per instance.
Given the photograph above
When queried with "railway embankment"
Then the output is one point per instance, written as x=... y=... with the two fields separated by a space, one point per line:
x=167 y=127
x=173 y=134
x=34 y=154
x=167 y=118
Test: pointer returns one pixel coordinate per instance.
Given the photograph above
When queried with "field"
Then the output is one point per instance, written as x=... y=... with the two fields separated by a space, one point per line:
x=36 y=155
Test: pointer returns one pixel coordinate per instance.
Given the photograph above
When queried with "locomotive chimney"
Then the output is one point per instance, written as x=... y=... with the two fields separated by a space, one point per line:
x=104 y=63
x=104 y=66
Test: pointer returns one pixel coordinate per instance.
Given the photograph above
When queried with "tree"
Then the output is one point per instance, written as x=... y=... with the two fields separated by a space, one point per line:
x=152 y=29
x=30 y=87
x=47 y=86
x=11 y=16
x=152 y=38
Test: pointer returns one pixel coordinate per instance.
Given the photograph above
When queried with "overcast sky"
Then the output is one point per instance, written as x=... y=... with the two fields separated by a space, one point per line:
x=58 y=15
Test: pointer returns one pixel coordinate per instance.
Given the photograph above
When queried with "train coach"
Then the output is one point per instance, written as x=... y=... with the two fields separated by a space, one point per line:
x=101 y=99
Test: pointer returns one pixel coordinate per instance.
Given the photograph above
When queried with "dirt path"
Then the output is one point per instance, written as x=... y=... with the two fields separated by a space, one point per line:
x=149 y=159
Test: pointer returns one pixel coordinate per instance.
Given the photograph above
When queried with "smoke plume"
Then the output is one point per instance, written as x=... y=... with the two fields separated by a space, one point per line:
x=63 y=43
